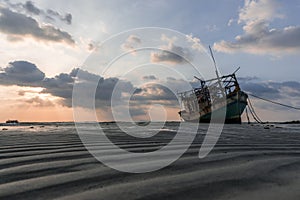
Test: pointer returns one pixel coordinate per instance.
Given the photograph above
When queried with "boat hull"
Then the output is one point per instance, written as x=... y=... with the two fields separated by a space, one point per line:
x=234 y=108
x=233 y=111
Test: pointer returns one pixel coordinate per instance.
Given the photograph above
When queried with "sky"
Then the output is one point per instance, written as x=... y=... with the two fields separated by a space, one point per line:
x=50 y=47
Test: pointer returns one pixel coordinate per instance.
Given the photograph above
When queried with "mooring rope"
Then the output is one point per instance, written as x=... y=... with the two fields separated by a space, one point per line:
x=247 y=116
x=253 y=113
x=253 y=116
x=274 y=102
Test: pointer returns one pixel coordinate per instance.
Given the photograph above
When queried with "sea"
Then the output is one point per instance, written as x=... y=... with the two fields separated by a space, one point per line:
x=160 y=132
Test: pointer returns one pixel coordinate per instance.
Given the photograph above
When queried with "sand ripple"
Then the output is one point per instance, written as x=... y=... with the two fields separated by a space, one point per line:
x=249 y=162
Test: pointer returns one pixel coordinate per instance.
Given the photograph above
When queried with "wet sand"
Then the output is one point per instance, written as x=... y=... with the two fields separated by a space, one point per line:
x=249 y=162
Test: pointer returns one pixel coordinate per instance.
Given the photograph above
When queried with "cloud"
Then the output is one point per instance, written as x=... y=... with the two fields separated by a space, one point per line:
x=30 y=8
x=212 y=28
x=62 y=86
x=262 y=89
x=230 y=22
x=196 y=43
x=149 y=77
x=164 y=91
x=154 y=92
x=287 y=92
x=21 y=93
x=171 y=53
x=91 y=47
x=59 y=86
x=51 y=14
x=20 y=26
x=259 y=10
x=29 y=91
x=167 y=57
x=248 y=78
x=290 y=88
x=39 y=102
x=131 y=43
x=21 y=73
x=258 y=36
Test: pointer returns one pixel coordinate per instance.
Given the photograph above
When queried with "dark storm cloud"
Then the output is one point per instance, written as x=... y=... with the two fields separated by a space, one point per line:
x=283 y=92
x=30 y=8
x=291 y=88
x=154 y=92
x=271 y=89
x=21 y=73
x=173 y=54
x=261 y=89
x=149 y=77
x=62 y=86
x=291 y=84
x=51 y=14
x=163 y=92
x=19 y=25
x=67 y=18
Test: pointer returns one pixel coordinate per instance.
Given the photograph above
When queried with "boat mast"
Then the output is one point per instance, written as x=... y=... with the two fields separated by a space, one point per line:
x=216 y=70
x=213 y=58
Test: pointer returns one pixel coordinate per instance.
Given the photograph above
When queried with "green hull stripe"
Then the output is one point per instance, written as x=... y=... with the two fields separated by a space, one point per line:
x=233 y=111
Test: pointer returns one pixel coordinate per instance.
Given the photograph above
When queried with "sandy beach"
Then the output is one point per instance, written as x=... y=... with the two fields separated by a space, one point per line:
x=126 y=100
x=249 y=162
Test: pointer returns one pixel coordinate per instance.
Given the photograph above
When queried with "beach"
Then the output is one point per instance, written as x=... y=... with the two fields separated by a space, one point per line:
x=49 y=161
